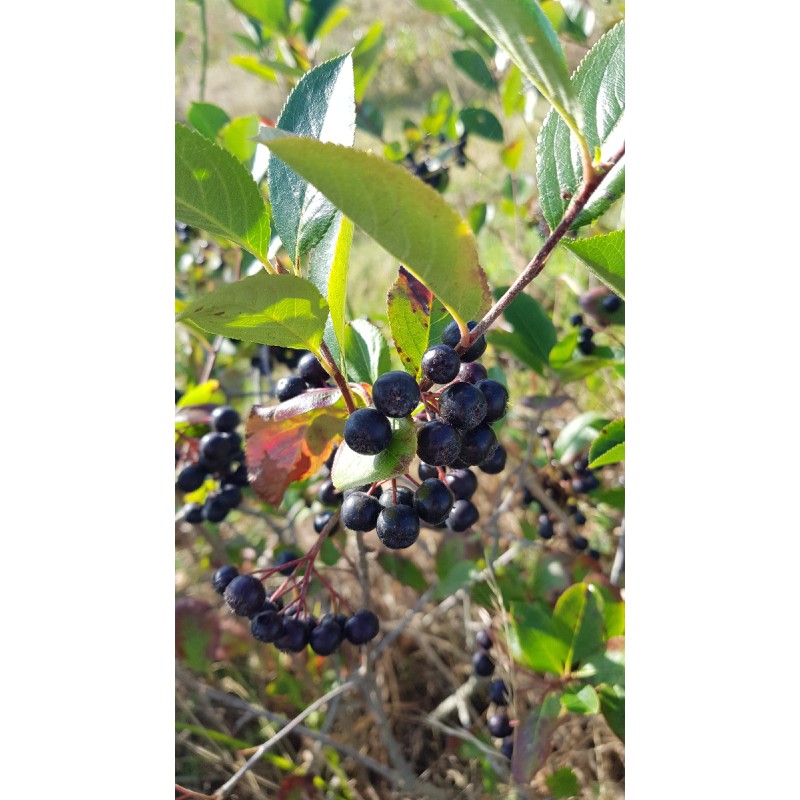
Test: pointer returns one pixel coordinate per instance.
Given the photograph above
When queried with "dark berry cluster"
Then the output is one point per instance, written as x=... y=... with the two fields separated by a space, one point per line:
x=585 y=334
x=218 y=455
x=310 y=375
x=290 y=628
x=498 y=722
x=267 y=356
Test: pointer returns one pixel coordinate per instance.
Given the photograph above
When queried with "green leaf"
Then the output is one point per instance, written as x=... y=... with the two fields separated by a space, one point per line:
x=270 y=12
x=536 y=639
x=476 y=216
x=321 y=106
x=609 y=446
x=330 y=553
x=404 y=570
x=351 y=469
x=366 y=353
x=203 y=393
x=215 y=192
x=606 y=666
x=450 y=552
x=612 y=703
x=611 y=497
x=280 y=310
x=531 y=322
x=585 y=701
x=460 y=575
x=316 y=14
x=511 y=155
x=563 y=782
x=599 y=82
x=207 y=119
x=328 y=265
x=409 y=310
x=407 y=218
x=437 y=6
x=265 y=68
x=578 y=610
x=238 y=137
x=605 y=257
x=533 y=737
x=562 y=351
x=576 y=435
x=522 y=29
x=365 y=58
x=474 y=67
x=515 y=344
x=179 y=37
x=482 y=123
x=583 y=367
x=512 y=92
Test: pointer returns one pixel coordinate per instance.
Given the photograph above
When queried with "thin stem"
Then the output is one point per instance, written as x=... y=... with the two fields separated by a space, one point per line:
x=329 y=362
x=204 y=49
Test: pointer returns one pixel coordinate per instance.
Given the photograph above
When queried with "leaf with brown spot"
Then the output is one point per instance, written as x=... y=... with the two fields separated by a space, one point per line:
x=290 y=441
x=409 y=303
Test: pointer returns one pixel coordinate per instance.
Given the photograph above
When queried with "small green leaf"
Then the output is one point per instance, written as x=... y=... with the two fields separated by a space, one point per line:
x=576 y=436
x=563 y=782
x=409 y=310
x=280 y=310
x=476 y=216
x=612 y=703
x=482 y=122
x=351 y=469
x=215 y=192
x=460 y=575
x=531 y=322
x=512 y=92
x=585 y=701
x=511 y=154
x=605 y=257
x=536 y=639
x=522 y=29
x=264 y=68
x=450 y=552
x=404 y=570
x=316 y=14
x=514 y=343
x=366 y=353
x=599 y=82
x=562 y=351
x=330 y=553
x=474 y=67
x=578 y=610
x=179 y=37
x=207 y=119
x=203 y=393
x=272 y=13
x=611 y=497
x=583 y=367
x=365 y=58
x=237 y=137
x=407 y=218
x=321 y=106
x=609 y=446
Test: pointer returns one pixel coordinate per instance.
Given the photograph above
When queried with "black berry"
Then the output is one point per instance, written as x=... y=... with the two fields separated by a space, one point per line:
x=224 y=419
x=472 y=372
x=245 y=595
x=498 y=692
x=452 y=336
x=214 y=510
x=585 y=334
x=287 y=388
x=507 y=748
x=483 y=639
x=496 y=462
x=611 y=303
x=482 y=664
x=586 y=346
x=398 y=527
x=477 y=445
x=463 y=516
x=193 y=513
x=266 y=626
x=545 y=527
x=496 y=399
x=580 y=543
x=284 y=558
x=360 y=511
x=395 y=394
x=433 y=501
x=462 y=405
x=223 y=576
x=581 y=465
x=440 y=363
x=499 y=725
x=543 y=432
x=405 y=497
x=295 y=636
x=322 y=519
x=576 y=320
x=326 y=637
x=438 y=443
x=191 y=478
x=230 y=495
x=462 y=482
x=311 y=371
x=362 y=627
x=426 y=471
x=367 y=431
x=215 y=448
x=328 y=494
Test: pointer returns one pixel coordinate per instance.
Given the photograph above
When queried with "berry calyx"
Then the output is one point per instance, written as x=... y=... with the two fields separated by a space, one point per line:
x=367 y=431
x=395 y=394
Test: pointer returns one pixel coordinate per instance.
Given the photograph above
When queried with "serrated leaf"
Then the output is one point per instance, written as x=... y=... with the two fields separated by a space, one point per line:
x=474 y=67
x=532 y=738
x=576 y=436
x=482 y=122
x=407 y=218
x=563 y=783
x=578 y=610
x=237 y=137
x=365 y=58
x=404 y=570
x=351 y=469
x=321 y=106
x=460 y=575
x=609 y=446
x=536 y=640
x=599 y=83
x=366 y=353
x=280 y=310
x=409 y=311
x=207 y=119
x=215 y=192
x=292 y=440
x=584 y=701
x=522 y=29
x=605 y=257
x=612 y=704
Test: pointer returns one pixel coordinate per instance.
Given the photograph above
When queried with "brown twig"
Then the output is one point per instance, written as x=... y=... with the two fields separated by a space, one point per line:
x=329 y=362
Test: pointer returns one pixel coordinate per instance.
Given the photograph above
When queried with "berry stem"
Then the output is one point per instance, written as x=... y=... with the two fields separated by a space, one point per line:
x=331 y=590
x=329 y=362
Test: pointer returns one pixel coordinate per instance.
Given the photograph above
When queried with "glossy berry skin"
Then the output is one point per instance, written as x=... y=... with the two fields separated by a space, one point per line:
x=580 y=518
x=426 y=471
x=496 y=462
x=238 y=477
x=482 y=664
x=362 y=627
x=462 y=482
x=462 y=405
x=499 y=726
x=472 y=372
x=295 y=636
x=190 y=478
x=193 y=513
x=266 y=626
x=328 y=494
x=395 y=394
x=498 y=692
x=405 y=497
x=496 y=399
x=245 y=595
x=284 y=558
x=591 y=482
x=287 y=388
x=438 y=443
x=483 y=639
x=398 y=527
x=224 y=419
x=477 y=445
x=545 y=527
x=586 y=346
x=360 y=512
x=452 y=336
x=543 y=432
x=580 y=543
x=230 y=495
x=322 y=519
x=215 y=448
x=581 y=465
x=507 y=748
x=585 y=333
x=367 y=431
x=576 y=320
x=223 y=576
x=595 y=554
x=214 y=510
x=311 y=371
x=433 y=501
x=326 y=638
x=462 y=516
x=440 y=363
x=611 y=303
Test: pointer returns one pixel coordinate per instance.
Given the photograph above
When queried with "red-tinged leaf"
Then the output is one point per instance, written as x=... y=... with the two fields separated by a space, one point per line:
x=533 y=738
x=197 y=632
x=290 y=441
x=409 y=304
x=298 y=787
x=195 y=415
